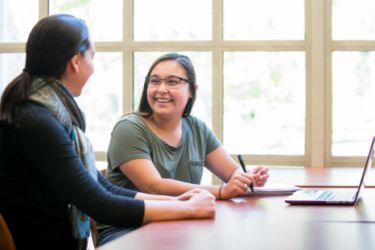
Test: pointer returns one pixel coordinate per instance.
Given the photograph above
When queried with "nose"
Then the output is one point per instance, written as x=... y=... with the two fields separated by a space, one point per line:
x=163 y=85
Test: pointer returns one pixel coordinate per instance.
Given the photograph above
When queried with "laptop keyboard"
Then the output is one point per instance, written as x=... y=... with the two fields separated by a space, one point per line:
x=337 y=195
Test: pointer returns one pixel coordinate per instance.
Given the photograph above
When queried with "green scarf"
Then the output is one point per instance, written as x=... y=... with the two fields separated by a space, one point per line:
x=52 y=94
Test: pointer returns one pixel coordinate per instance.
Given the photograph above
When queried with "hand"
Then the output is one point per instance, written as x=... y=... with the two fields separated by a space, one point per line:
x=237 y=185
x=201 y=204
x=187 y=195
x=260 y=176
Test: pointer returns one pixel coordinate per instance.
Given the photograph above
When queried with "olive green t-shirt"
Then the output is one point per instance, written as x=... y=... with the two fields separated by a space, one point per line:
x=132 y=139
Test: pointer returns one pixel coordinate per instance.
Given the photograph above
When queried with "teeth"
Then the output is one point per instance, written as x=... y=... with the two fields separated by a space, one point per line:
x=163 y=100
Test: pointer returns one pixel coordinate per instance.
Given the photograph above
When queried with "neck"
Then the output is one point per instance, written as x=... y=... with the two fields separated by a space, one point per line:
x=164 y=124
x=168 y=130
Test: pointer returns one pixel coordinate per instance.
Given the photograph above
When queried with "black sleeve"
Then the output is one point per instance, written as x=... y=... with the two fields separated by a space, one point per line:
x=115 y=189
x=48 y=148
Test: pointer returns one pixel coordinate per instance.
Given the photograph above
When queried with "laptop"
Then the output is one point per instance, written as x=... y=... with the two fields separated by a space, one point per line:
x=332 y=197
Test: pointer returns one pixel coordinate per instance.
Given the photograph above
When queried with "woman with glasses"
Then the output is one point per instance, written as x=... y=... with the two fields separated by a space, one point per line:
x=162 y=148
x=49 y=185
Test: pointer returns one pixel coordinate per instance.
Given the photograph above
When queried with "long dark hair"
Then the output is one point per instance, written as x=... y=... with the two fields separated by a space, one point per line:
x=52 y=42
x=144 y=107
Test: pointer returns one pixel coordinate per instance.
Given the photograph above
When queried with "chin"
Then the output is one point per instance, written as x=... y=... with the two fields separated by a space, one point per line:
x=77 y=93
x=160 y=113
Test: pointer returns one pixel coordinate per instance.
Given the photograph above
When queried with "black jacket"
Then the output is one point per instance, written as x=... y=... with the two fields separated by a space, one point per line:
x=40 y=174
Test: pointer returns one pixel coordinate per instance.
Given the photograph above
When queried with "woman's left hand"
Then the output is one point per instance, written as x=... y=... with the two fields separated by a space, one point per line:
x=260 y=176
x=187 y=195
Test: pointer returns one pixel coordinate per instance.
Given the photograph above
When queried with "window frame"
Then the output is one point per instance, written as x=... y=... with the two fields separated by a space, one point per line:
x=317 y=45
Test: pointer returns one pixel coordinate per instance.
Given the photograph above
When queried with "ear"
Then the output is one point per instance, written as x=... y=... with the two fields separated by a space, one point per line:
x=74 y=63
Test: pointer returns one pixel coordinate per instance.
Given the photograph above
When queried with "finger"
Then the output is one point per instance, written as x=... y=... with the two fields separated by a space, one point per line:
x=244 y=178
x=263 y=171
x=257 y=169
x=260 y=170
x=242 y=187
x=264 y=178
x=259 y=180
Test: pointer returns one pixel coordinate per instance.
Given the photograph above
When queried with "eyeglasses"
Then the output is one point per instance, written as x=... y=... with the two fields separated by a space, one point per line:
x=170 y=81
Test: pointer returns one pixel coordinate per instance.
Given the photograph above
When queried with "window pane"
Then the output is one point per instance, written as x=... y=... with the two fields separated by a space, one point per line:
x=16 y=22
x=202 y=65
x=353 y=121
x=11 y=66
x=101 y=99
x=104 y=19
x=172 y=20
x=264 y=102
x=264 y=20
x=353 y=19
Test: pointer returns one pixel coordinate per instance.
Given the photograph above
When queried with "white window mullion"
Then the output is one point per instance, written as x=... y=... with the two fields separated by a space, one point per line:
x=43 y=8
x=217 y=69
x=315 y=89
x=127 y=97
x=217 y=73
x=328 y=83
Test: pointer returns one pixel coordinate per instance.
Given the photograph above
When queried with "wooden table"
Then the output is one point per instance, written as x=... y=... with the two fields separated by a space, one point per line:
x=265 y=223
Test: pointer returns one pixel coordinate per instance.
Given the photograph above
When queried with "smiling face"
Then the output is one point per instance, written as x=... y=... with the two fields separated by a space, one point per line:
x=168 y=102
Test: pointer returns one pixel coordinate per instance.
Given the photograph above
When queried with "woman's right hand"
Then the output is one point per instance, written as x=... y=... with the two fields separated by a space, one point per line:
x=201 y=204
x=237 y=185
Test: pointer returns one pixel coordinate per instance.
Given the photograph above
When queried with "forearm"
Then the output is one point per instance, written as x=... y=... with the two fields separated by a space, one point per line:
x=221 y=164
x=144 y=196
x=166 y=186
x=115 y=189
x=227 y=173
x=173 y=187
x=166 y=210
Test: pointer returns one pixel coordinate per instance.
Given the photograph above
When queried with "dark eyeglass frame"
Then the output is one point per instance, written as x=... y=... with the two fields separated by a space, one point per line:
x=168 y=84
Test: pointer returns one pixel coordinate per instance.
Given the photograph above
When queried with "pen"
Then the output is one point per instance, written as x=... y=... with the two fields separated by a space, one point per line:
x=251 y=186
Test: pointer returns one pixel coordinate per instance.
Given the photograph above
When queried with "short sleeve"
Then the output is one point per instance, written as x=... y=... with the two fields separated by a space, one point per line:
x=212 y=141
x=128 y=142
x=204 y=135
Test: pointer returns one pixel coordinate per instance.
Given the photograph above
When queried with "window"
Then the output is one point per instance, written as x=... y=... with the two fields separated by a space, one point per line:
x=353 y=96
x=11 y=64
x=16 y=22
x=264 y=91
x=281 y=82
x=353 y=68
x=181 y=20
x=263 y=20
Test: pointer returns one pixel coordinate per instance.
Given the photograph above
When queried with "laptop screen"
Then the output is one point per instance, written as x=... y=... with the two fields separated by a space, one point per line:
x=368 y=165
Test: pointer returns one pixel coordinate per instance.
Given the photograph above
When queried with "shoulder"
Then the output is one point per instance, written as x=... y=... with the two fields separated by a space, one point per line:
x=130 y=125
x=132 y=119
x=196 y=127
x=195 y=122
x=199 y=130
x=34 y=122
x=31 y=107
x=127 y=122
x=34 y=115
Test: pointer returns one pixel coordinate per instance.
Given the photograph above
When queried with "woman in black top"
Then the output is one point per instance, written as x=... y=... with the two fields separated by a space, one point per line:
x=49 y=185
